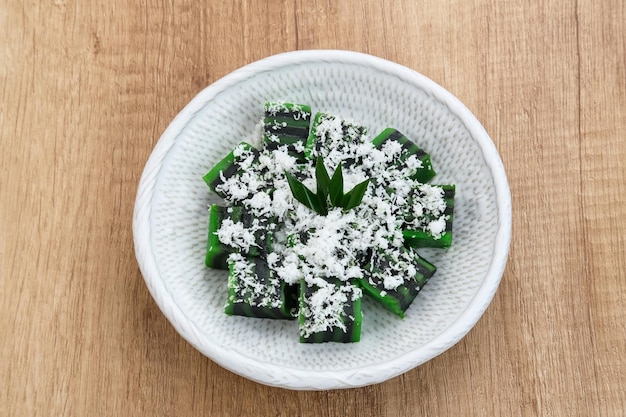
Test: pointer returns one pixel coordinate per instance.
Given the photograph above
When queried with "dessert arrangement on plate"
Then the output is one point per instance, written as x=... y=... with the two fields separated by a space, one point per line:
x=317 y=214
x=326 y=210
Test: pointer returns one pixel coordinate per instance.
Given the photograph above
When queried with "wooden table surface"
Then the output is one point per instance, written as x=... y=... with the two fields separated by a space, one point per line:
x=87 y=88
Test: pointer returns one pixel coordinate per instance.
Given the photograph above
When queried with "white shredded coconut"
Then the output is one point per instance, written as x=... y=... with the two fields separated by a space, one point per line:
x=236 y=235
x=248 y=288
x=391 y=149
x=273 y=138
x=299 y=147
x=327 y=253
x=413 y=163
x=234 y=188
x=325 y=307
x=290 y=271
x=281 y=202
x=437 y=227
x=284 y=161
x=331 y=128
x=297 y=111
x=272 y=259
x=432 y=198
x=260 y=203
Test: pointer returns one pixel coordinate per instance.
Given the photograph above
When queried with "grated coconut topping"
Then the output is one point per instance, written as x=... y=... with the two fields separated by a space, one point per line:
x=317 y=250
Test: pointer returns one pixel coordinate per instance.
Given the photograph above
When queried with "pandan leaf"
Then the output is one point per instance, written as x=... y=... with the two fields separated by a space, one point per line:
x=327 y=188
x=354 y=197
x=307 y=197
x=335 y=188
x=323 y=180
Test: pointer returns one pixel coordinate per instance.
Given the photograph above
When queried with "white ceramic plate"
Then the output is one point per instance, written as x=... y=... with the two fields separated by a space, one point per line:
x=171 y=217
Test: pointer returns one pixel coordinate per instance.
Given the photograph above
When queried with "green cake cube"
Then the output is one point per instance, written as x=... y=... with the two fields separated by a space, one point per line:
x=330 y=311
x=332 y=135
x=255 y=291
x=432 y=230
x=230 y=166
x=257 y=230
x=424 y=172
x=287 y=124
x=395 y=277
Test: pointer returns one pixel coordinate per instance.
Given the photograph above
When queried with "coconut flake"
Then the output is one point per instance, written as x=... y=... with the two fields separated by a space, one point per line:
x=236 y=235
x=324 y=308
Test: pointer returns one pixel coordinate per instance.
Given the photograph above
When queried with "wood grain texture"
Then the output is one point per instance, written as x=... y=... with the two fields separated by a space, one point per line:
x=87 y=88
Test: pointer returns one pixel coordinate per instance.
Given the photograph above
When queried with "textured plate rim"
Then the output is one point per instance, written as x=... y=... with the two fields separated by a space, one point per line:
x=293 y=378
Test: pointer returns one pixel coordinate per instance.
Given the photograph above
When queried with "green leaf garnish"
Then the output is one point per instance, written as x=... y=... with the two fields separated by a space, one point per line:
x=335 y=189
x=354 y=197
x=307 y=197
x=323 y=180
x=329 y=190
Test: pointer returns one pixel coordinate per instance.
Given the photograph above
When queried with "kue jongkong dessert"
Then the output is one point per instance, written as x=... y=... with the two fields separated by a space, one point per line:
x=318 y=214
